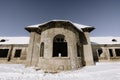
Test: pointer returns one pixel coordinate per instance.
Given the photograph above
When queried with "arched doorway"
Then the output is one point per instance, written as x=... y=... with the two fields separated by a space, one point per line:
x=59 y=46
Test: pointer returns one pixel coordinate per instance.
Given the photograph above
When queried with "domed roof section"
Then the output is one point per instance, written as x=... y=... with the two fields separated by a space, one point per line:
x=80 y=27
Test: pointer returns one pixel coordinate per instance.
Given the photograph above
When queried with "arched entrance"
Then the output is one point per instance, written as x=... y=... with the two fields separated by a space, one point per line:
x=59 y=46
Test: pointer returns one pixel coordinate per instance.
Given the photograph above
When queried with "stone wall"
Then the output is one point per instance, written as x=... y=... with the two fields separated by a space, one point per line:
x=10 y=58
x=70 y=62
x=106 y=55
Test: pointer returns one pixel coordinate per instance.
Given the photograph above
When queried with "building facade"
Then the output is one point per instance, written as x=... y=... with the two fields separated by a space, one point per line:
x=13 y=49
x=106 y=48
x=59 y=45
x=64 y=44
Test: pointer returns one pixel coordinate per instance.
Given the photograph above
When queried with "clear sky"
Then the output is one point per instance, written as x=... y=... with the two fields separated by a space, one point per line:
x=104 y=15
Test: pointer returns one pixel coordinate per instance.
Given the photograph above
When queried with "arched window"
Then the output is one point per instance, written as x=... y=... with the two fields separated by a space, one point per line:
x=59 y=46
x=59 y=38
x=78 y=50
x=42 y=50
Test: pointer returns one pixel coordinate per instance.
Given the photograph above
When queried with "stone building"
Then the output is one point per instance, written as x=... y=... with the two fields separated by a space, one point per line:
x=59 y=45
x=106 y=48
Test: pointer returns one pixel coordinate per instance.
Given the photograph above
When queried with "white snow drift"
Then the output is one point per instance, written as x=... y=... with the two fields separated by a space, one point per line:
x=101 y=71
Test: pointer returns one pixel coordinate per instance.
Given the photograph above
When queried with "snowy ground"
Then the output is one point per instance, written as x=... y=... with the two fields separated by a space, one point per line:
x=102 y=71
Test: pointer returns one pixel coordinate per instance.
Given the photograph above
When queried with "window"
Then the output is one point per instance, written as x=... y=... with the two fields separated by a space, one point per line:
x=59 y=46
x=59 y=38
x=3 y=53
x=42 y=50
x=17 y=53
x=99 y=52
x=78 y=50
x=2 y=40
x=117 y=52
x=114 y=40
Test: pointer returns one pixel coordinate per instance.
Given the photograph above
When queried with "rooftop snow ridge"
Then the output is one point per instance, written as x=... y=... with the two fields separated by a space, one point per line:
x=94 y=40
x=105 y=40
x=79 y=26
x=14 y=40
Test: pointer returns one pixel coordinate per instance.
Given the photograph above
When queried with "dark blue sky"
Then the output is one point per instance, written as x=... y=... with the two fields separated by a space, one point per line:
x=104 y=15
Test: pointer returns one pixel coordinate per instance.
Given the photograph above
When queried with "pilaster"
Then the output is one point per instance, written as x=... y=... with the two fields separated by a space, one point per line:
x=88 y=56
x=30 y=49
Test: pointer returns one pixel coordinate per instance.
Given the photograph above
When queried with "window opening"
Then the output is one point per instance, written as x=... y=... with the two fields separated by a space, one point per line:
x=17 y=53
x=78 y=50
x=2 y=40
x=114 y=40
x=42 y=50
x=99 y=52
x=59 y=46
x=117 y=52
x=4 y=53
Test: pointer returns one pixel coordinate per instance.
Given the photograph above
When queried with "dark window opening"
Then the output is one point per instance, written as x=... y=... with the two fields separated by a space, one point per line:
x=42 y=50
x=59 y=38
x=59 y=46
x=117 y=52
x=114 y=40
x=2 y=40
x=17 y=53
x=4 y=53
x=60 y=49
x=78 y=50
x=111 y=53
x=99 y=52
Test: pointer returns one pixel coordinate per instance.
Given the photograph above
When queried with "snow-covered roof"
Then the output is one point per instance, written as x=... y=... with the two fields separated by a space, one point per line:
x=94 y=40
x=78 y=26
x=14 y=40
x=105 y=40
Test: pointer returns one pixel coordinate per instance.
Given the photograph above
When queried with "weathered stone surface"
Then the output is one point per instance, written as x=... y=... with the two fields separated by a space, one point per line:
x=73 y=37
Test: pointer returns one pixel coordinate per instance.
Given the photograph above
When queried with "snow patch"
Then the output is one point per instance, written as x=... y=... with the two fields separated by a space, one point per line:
x=101 y=71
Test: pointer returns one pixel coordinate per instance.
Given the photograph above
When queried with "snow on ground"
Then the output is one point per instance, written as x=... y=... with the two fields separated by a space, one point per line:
x=101 y=71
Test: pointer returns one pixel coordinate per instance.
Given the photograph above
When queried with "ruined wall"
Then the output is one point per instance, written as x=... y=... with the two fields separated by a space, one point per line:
x=50 y=63
x=108 y=53
x=12 y=56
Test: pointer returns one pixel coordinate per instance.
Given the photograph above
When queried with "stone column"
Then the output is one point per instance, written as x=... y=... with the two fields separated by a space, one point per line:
x=36 y=50
x=30 y=49
x=97 y=53
x=103 y=55
x=23 y=54
x=108 y=54
x=88 y=55
x=73 y=54
x=114 y=53
x=10 y=53
x=72 y=49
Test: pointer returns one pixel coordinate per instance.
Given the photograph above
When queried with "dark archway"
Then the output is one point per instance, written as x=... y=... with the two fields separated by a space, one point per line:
x=59 y=46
